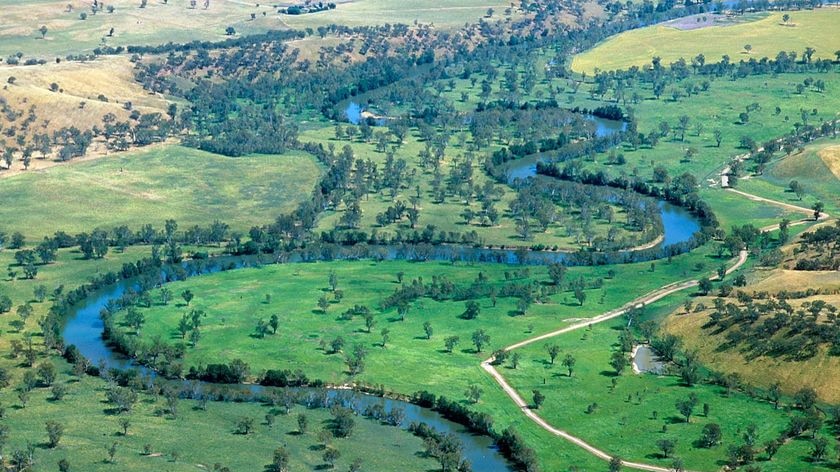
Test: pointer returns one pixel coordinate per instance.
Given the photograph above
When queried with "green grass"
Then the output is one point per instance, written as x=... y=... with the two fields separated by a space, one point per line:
x=232 y=315
x=809 y=169
x=201 y=438
x=564 y=233
x=190 y=186
x=731 y=208
x=448 y=374
x=767 y=37
x=717 y=109
x=409 y=362
x=623 y=423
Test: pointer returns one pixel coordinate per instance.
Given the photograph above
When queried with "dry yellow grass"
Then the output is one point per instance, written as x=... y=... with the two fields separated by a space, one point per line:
x=77 y=104
x=820 y=372
x=831 y=156
x=156 y=24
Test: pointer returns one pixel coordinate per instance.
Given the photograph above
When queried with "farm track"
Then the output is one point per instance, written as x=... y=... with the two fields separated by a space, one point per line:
x=646 y=299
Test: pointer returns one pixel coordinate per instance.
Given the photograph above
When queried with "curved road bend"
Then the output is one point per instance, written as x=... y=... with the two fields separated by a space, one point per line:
x=651 y=297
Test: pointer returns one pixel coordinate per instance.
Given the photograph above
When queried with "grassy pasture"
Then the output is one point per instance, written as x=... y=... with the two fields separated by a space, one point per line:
x=77 y=102
x=200 y=438
x=444 y=14
x=767 y=36
x=814 y=168
x=89 y=431
x=818 y=372
x=445 y=216
x=232 y=314
x=629 y=420
x=717 y=109
x=190 y=186
x=160 y=23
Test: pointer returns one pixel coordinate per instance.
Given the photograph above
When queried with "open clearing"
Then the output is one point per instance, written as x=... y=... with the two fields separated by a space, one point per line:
x=86 y=92
x=767 y=37
x=136 y=188
x=446 y=14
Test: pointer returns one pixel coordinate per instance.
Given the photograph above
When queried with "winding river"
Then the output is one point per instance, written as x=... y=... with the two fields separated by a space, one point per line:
x=84 y=330
x=84 y=326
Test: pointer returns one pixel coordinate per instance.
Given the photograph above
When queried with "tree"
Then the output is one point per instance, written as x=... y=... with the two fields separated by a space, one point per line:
x=386 y=336
x=370 y=321
x=427 y=328
x=47 y=373
x=797 y=188
x=615 y=464
x=553 y=352
x=515 y=359
x=54 y=432
x=774 y=394
x=819 y=449
x=472 y=310
x=580 y=295
x=333 y=281
x=135 y=318
x=818 y=208
x=43 y=30
x=686 y=406
x=323 y=303
x=705 y=285
x=538 y=399
x=187 y=295
x=805 y=398
x=245 y=425
x=279 y=460
x=342 y=422
x=569 y=363
x=58 y=391
x=331 y=456
x=473 y=393
x=450 y=342
x=303 y=423
x=785 y=18
x=711 y=435
x=618 y=361
x=112 y=452
x=480 y=338
x=230 y=31
x=556 y=272
x=124 y=423
x=771 y=448
x=718 y=135
x=667 y=447
x=274 y=322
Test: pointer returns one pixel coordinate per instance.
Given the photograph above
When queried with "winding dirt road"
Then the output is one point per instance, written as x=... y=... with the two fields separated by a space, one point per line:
x=651 y=297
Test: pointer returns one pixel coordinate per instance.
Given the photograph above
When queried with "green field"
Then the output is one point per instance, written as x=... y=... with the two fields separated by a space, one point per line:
x=199 y=438
x=190 y=186
x=810 y=168
x=228 y=329
x=629 y=420
x=767 y=36
x=565 y=232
